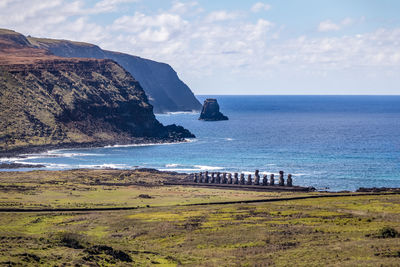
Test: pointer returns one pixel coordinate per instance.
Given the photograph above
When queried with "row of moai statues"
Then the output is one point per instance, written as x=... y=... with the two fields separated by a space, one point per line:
x=226 y=178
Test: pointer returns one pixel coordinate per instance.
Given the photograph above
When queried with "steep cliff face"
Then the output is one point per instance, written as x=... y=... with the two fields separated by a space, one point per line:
x=48 y=100
x=166 y=92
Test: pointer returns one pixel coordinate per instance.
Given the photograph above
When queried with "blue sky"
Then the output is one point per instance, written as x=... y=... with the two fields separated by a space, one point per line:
x=237 y=47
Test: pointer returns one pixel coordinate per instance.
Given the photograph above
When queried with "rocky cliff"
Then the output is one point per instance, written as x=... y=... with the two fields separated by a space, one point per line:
x=210 y=111
x=166 y=92
x=48 y=100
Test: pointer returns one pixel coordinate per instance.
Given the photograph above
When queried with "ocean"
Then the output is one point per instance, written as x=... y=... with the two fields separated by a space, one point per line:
x=329 y=142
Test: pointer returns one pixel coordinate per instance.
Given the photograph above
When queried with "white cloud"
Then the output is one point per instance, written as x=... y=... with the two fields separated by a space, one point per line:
x=31 y=13
x=38 y=17
x=4 y=3
x=370 y=50
x=221 y=16
x=183 y=8
x=347 y=21
x=54 y=19
x=157 y=28
x=259 y=6
x=110 y=5
x=327 y=25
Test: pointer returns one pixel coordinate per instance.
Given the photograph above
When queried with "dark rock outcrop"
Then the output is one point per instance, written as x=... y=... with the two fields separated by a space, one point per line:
x=19 y=166
x=166 y=92
x=210 y=111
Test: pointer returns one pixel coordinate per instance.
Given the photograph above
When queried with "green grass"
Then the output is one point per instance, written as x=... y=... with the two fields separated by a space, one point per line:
x=97 y=189
x=343 y=231
x=223 y=235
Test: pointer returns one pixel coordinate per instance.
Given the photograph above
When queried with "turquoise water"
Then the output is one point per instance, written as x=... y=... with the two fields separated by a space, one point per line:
x=329 y=142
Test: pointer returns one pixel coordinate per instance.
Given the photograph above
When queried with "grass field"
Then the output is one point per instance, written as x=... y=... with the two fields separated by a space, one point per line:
x=343 y=231
x=110 y=188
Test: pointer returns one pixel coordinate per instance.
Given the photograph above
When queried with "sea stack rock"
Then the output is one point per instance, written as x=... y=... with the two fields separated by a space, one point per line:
x=210 y=111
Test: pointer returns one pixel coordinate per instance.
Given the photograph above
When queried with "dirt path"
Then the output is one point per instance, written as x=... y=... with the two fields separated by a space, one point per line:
x=202 y=204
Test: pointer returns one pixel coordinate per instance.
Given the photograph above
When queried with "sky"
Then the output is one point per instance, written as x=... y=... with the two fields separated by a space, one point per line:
x=319 y=47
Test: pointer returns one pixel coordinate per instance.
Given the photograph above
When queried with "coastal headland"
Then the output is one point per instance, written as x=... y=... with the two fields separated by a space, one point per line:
x=145 y=217
x=50 y=101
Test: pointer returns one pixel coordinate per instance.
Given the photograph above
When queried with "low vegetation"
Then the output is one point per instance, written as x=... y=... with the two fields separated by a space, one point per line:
x=359 y=230
x=387 y=232
x=109 y=188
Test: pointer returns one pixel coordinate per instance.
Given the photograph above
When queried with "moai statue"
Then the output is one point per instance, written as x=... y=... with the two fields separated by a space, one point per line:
x=272 y=180
x=196 y=178
x=206 y=178
x=218 y=181
x=289 y=181
x=249 y=181
x=200 y=178
x=281 y=179
x=236 y=179
x=241 y=178
x=212 y=180
x=257 y=178
x=224 y=180
x=229 y=178
x=265 y=180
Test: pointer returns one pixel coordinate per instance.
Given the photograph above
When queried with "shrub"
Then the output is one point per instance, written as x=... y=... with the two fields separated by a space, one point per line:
x=144 y=196
x=387 y=232
x=116 y=254
x=72 y=240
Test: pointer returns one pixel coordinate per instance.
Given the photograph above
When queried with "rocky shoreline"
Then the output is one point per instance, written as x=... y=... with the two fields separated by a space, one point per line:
x=22 y=151
x=19 y=166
